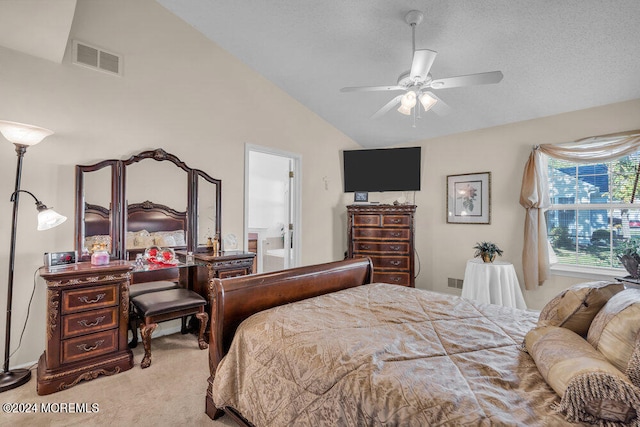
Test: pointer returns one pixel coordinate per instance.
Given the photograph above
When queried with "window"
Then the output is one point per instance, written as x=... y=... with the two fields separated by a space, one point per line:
x=595 y=210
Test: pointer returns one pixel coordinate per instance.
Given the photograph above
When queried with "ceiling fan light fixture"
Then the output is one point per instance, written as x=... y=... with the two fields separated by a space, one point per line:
x=427 y=101
x=407 y=102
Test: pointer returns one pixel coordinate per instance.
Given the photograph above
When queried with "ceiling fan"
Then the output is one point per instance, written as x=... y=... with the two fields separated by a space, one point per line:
x=418 y=82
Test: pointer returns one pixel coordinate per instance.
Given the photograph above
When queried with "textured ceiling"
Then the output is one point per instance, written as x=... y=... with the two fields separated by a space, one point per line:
x=556 y=56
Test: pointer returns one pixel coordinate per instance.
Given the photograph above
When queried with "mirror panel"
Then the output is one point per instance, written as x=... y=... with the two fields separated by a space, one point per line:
x=153 y=191
x=208 y=210
x=96 y=223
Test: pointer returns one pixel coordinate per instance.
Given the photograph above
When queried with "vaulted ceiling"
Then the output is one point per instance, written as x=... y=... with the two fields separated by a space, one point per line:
x=556 y=56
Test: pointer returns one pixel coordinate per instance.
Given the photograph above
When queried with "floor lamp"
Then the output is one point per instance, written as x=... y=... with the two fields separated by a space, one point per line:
x=22 y=136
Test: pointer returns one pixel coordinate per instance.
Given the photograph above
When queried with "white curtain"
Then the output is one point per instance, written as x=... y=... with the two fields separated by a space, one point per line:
x=534 y=194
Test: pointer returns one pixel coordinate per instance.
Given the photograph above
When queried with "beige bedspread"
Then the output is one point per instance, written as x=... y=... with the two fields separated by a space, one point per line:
x=385 y=355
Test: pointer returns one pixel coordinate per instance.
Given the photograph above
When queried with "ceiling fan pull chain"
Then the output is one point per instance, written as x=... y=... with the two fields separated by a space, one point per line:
x=414 y=114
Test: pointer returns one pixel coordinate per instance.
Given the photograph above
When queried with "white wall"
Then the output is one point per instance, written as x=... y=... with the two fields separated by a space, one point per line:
x=179 y=92
x=444 y=248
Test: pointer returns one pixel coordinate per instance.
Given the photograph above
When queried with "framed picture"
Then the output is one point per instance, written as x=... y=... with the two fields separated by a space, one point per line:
x=361 y=196
x=469 y=198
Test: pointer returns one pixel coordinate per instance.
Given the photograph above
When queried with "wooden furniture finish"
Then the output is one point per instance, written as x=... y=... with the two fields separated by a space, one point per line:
x=235 y=299
x=385 y=234
x=160 y=306
x=122 y=217
x=87 y=317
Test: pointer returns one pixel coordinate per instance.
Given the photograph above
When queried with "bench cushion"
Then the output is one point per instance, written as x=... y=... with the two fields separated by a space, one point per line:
x=154 y=303
x=146 y=287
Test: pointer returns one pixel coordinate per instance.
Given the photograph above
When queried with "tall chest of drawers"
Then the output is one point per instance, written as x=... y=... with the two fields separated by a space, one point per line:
x=87 y=316
x=385 y=234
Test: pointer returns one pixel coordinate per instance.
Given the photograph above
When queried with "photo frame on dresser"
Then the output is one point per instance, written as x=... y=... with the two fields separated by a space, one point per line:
x=469 y=198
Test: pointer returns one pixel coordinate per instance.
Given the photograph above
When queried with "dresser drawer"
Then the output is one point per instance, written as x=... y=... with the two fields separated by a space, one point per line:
x=89 y=321
x=366 y=219
x=398 y=278
x=223 y=274
x=87 y=346
x=89 y=298
x=382 y=233
x=372 y=247
x=396 y=220
x=390 y=262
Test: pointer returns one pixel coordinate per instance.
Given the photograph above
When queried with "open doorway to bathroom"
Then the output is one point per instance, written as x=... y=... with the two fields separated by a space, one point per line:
x=272 y=207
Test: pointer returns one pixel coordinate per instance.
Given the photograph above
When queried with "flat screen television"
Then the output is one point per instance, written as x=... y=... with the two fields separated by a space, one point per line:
x=392 y=169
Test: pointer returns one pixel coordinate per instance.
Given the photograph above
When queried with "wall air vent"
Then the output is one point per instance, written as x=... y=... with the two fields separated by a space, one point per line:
x=96 y=58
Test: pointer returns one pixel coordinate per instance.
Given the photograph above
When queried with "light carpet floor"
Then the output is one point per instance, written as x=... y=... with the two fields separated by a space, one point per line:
x=171 y=392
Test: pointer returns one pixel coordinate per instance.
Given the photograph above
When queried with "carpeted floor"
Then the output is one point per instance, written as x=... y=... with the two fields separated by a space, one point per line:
x=171 y=392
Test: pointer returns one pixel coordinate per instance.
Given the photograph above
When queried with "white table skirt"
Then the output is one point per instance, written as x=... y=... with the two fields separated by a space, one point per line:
x=494 y=283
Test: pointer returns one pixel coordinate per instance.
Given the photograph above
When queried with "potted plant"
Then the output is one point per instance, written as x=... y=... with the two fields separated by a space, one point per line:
x=487 y=251
x=628 y=255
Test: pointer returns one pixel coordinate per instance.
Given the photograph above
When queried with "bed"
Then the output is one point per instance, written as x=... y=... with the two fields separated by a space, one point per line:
x=352 y=352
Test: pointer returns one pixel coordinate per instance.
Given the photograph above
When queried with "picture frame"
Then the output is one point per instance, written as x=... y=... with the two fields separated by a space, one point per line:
x=469 y=198
x=361 y=196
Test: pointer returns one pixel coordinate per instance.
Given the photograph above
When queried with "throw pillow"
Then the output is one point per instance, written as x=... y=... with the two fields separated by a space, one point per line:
x=615 y=331
x=592 y=389
x=575 y=308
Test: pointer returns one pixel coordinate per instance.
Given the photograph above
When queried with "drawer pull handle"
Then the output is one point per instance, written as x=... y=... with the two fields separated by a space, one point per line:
x=395 y=248
x=394 y=262
x=86 y=300
x=86 y=324
x=395 y=279
x=365 y=247
x=396 y=221
x=396 y=234
x=84 y=347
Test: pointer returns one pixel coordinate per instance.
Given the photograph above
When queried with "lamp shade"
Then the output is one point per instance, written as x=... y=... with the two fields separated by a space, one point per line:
x=427 y=101
x=48 y=218
x=407 y=102
x=20 y=133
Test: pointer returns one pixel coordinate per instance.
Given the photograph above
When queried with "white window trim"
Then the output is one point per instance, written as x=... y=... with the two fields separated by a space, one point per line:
x=584 y=272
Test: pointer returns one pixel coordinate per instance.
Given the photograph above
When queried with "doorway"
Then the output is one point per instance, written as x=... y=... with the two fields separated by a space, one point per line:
x=272 y=207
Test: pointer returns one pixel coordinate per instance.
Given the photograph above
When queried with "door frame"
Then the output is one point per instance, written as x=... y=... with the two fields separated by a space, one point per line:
x=295 y=190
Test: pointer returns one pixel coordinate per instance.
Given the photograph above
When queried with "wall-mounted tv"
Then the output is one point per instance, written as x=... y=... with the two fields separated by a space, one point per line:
x=392 y=169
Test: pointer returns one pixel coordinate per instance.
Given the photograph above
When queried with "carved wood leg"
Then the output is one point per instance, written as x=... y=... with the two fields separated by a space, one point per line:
x=203 y=318
x=146 y=330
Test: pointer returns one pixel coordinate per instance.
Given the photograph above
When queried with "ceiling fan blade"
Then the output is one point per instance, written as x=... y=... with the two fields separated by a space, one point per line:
x=422 y=62
x=370 y=88
x=387 y=107
x=470 y=80
x=440 y=107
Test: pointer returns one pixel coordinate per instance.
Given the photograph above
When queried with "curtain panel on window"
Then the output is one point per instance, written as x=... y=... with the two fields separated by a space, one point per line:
x=534 y=194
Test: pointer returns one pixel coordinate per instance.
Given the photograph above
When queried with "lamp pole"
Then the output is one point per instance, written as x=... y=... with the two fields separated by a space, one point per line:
x=17 y=377
x=22 y=136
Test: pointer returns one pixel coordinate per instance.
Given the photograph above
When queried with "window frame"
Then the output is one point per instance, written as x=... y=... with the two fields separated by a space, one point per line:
x=577 y=270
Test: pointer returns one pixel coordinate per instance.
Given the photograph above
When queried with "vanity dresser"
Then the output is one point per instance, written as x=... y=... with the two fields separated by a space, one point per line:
x=86 y=324
x=385 y=234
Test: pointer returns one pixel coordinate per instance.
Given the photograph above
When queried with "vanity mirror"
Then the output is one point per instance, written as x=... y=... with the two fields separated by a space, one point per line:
x=152 y=198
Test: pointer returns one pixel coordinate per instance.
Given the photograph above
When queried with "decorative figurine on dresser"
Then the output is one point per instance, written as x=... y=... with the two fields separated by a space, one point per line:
x=385 y=234
x=87 y=316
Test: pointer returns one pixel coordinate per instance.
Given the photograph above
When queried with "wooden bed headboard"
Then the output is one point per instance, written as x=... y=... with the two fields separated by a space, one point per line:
x=140 y=216
x=236 y=298
x=154 y=217
x=96 y=220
